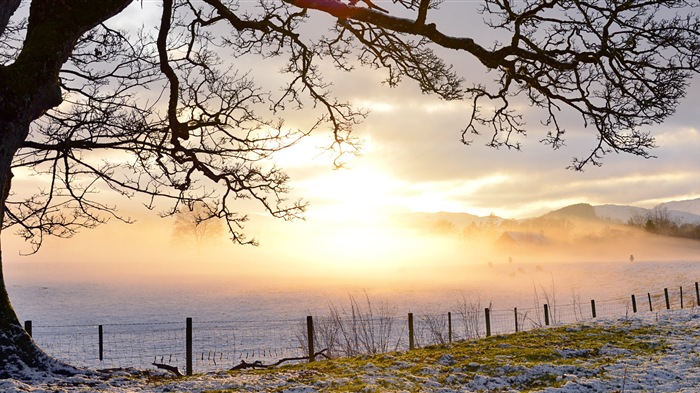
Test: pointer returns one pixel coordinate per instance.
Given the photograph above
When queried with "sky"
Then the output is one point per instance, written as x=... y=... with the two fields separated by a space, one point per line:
x=411 y=161
x=413 y=158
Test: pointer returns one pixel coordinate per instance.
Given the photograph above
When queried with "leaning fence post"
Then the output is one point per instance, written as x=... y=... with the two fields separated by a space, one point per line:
x=411 y=343
x=101 y=341
x=487 y=315
x=681 y=296
x=634 y=304
x=188 y=346
x=515 y=311
x=651 y=306
x=28 y=327
x=449 y=327
x=546 y=314
x=697 y=294
x=668 y=304
x=593 y=308
x=310 y=337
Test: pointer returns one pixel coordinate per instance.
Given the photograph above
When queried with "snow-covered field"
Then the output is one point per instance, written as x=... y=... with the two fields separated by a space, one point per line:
x=54 y=305
x=146 y=323
x=673 y=367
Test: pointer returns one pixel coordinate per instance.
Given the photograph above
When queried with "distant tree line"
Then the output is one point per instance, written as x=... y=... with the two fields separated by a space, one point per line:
x=659 y=221
x=494 y=226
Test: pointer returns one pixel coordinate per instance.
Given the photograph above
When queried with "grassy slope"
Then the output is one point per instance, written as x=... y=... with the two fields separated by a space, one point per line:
x=524 y=361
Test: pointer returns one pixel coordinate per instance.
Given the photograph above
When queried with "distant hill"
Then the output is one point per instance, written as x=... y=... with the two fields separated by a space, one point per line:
x=576 y=232
x=460 y=219
x=683 y=217
x=580 y=210
x=622 y=213
x=681 y=211
x=618 y=213
x=691 y=206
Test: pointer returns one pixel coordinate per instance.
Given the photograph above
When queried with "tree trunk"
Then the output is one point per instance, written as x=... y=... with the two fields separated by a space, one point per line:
x=28 y=88
x=20 y=103
x=20 y=357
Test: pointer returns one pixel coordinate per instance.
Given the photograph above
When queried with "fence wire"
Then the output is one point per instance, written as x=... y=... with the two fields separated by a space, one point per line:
x=221 y=345
x=216 y=345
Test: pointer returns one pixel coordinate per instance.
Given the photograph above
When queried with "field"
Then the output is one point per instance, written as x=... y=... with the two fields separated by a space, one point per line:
x=657 y=352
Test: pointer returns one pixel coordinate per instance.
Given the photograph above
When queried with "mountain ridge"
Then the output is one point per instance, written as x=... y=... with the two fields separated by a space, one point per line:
x=683 y=211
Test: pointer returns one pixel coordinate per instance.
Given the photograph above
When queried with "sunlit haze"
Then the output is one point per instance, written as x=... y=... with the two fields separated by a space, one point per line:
x=364 y=226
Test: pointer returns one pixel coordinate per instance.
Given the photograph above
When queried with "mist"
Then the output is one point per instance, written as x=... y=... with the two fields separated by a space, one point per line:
x=424 y=254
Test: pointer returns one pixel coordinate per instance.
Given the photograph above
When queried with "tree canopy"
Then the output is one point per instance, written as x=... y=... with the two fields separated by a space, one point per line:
x=165 y=112
x=206 y=129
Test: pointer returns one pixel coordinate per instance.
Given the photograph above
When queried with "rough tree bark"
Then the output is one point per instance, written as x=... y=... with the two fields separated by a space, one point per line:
x=28 y=88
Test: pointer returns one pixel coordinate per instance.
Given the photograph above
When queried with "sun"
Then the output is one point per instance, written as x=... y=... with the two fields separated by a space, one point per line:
x=361 y=195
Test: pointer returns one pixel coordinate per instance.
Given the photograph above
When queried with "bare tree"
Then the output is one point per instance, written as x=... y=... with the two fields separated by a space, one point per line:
x=197 y=224
x=436 y=330
x=620 y=65
x=368 y=329
x=182 y=124
x=470 y=312
x=657 y=220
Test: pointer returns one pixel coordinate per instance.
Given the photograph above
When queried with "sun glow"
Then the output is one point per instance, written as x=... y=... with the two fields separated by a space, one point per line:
x=452 y=196
x=349 y=254
x=358 y=195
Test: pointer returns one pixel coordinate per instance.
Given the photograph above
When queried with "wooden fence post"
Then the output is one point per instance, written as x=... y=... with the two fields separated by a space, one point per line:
x=310 y=337
x=634 y=304
x=188 y=346
x=101 y=342
x=487 y=315
x=681 y=292
x=651 y=307
x=593 y=308
x=449 y=327
x=411 y=342
x=697 y=294
x=668 y=303
x=515 y=311
x=28 y=327
x=546 y=315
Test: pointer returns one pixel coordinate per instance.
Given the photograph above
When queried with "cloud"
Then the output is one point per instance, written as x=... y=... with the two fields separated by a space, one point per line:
x=412 y=142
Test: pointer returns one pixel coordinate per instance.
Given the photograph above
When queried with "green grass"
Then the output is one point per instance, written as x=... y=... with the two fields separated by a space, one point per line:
x=581 y=349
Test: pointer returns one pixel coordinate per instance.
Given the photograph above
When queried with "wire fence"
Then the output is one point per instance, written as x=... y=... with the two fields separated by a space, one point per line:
x=209 y=346
x=216 y=345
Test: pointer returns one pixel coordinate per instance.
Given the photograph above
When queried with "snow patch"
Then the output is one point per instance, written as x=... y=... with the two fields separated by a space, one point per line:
x=446 y=360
